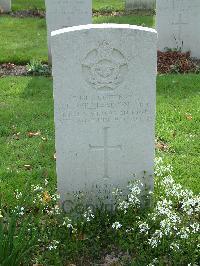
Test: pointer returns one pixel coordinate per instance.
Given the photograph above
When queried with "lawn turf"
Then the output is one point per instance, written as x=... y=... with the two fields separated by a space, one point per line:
x=27 y=4
x=145 y=21
x=117 y=5
x=40 y=4
x=26 y=105
x=178 y=125
x=23 y=39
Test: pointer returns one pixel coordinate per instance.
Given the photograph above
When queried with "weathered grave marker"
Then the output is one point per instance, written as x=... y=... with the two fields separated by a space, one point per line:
x=139 y=4
x=66 y=13
x=5 y=6
x=104 y=95
x=178 y=25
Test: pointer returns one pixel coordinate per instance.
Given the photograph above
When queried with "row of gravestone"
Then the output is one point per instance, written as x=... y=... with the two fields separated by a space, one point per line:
x=5 y=5
x=177 y=20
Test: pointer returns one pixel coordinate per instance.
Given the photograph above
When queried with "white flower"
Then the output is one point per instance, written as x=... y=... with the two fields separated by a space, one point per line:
x=56 y=209
x=69 y=226
x=166 y=227
x=174 y=246
x=155 y=261
x=53 y=245
x=129 y=230
x=55 y=197
x=37 y=188
x=18 y=194
x=20 y=210
x=144 y=228
x=67 y=222
x=88 y=215
x=123 y=206
x=164 y=207
x=46 y=182
x=184 y=233
x=191 y=205
x=117 y=192
x=161 y=169
x=195 y=227
x=153 y=242
x=116 y=225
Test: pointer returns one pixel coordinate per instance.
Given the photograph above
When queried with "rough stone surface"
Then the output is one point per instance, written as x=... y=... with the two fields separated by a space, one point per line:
x=104 y=95
x=66 y=13
x=5 y=6
x=139 y=4
x=178 y=25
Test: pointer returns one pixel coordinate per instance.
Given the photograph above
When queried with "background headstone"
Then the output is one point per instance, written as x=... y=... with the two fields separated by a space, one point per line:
x=104 y=100
x=66 y=13
x=139 y=4
x=5 y=6
x=178 y=25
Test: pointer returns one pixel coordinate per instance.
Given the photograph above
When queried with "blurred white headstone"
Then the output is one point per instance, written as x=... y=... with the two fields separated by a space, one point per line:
x=66 y=13
x=178 y=25
x=5 y=6
x=139 y=4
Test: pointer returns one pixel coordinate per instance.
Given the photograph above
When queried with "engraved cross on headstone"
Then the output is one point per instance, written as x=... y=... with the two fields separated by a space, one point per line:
x=105 y=148
x=179 y=23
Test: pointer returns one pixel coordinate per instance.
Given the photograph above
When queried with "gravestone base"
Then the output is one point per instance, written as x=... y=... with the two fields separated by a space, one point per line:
x=104 y=195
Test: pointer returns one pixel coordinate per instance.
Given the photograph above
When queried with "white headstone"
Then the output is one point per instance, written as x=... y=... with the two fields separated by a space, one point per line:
x=5 y=6
x=178 y=25
x=104 y=100
x=139 y=4
x=66 y=13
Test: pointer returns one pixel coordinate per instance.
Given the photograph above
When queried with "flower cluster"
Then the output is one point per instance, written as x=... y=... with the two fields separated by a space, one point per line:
x=88 y=214
x=133 y=197
x=161 y=169
x=175 y=214
x=116 y=225
x=53 y=245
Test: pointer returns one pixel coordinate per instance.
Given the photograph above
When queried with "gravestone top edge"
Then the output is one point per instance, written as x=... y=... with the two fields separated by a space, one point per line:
x=102 y=26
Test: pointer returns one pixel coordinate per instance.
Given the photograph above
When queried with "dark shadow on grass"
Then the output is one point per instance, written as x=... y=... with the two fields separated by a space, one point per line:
x=40 y=88
x=178 y=86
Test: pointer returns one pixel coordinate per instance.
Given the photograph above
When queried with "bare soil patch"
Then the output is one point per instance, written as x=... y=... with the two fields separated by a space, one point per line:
x=177 y=62
x=28 y=13
x=9 y=69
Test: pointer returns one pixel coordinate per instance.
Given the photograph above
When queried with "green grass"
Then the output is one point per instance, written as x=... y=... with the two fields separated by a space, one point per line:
x=146 y=21
x=116 y=4
x=27 y=106
x=27 y=4
x=22 y=39
x=178 y=125
x=25 y=39
x=97 y=4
